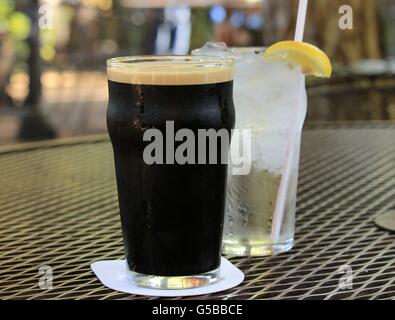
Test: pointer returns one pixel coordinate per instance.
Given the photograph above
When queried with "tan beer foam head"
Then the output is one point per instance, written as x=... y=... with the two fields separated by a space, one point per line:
x=170 y=73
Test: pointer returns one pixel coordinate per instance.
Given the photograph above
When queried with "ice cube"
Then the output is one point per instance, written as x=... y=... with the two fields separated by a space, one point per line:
x=218 y=49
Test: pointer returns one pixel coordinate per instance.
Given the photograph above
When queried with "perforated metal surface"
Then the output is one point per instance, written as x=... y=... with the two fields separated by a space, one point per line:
x=58 y=207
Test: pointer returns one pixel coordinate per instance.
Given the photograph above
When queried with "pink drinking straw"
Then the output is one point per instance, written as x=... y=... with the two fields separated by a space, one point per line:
x=282 y=192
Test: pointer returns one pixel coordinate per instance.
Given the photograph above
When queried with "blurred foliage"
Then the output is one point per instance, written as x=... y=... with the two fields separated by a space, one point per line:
x=16 y=26
x=19 y=25
x=6 y=8
x=48 y=43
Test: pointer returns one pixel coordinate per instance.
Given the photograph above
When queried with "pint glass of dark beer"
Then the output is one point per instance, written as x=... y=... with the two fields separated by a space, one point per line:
x=171 y=192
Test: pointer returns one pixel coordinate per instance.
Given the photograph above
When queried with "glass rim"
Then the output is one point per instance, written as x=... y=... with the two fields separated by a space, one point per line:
x=235 y=53
x=168 y=61
x=252 y=48
x=256 y=49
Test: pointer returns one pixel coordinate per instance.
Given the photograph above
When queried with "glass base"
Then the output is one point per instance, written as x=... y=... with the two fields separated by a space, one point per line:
x=255 y=249
x=173 y=283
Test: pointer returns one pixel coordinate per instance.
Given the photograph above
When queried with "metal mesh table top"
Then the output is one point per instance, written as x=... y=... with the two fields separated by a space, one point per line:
x=58 y=207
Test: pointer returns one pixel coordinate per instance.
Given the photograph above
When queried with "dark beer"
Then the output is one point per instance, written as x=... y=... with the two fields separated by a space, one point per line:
x=172 y=214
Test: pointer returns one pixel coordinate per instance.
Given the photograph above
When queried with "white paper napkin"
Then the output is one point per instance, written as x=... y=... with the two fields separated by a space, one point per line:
x=112 y=274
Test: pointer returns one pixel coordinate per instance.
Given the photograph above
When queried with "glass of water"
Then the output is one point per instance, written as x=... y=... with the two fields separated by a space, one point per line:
x=271 y=104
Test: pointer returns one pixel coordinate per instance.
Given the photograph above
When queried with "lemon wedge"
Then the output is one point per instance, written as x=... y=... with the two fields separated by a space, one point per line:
x=311 y=59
